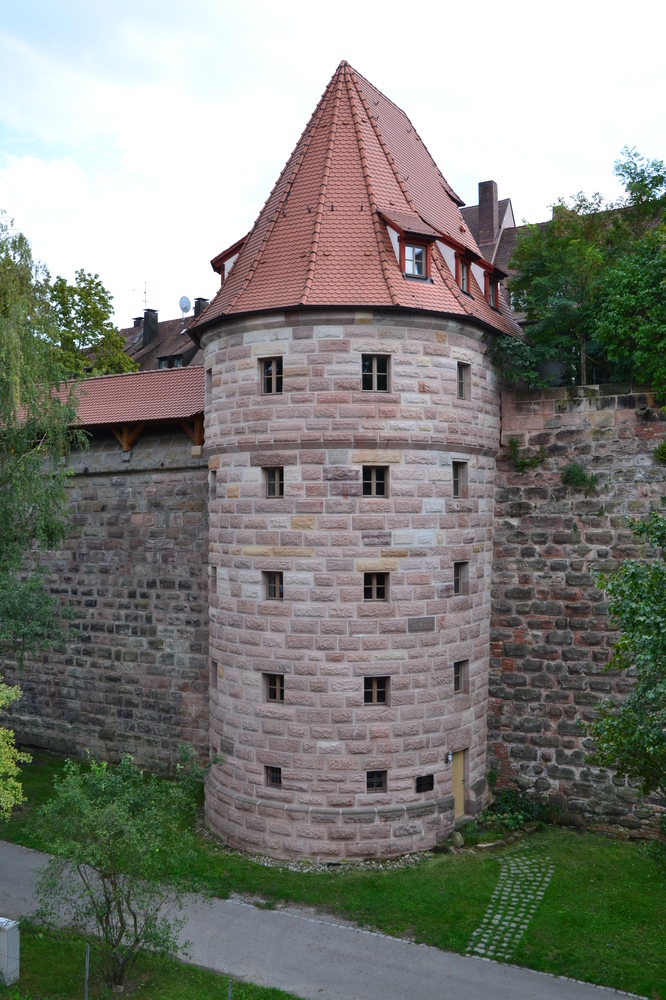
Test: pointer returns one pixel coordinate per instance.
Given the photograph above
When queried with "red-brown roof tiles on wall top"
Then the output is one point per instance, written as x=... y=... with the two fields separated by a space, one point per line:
x=162 y=394
x=321 y=238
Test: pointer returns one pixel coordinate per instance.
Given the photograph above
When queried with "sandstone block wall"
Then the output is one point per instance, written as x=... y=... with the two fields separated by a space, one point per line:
x=323 y=638
x=135 y=569
x=551 y=637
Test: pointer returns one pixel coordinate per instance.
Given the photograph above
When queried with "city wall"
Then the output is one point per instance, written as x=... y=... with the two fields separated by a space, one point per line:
x=134 y=568
x=551 y=638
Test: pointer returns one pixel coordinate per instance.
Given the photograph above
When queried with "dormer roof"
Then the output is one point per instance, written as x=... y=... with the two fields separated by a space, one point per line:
x=321 y=239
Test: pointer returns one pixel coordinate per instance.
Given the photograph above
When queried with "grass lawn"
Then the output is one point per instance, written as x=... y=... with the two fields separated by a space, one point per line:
x=52 y=966
x=603 y=918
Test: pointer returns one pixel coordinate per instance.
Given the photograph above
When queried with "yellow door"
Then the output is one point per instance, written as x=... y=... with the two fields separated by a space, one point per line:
x=458 y=776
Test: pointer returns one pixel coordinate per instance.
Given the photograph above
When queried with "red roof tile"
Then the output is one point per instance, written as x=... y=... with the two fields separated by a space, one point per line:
x=321 y=238
x=164 y=394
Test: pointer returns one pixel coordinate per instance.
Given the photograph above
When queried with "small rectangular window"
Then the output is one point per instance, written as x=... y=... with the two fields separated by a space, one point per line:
x=464 y=380
x=274 y=777
x=374 y=371
x=178 y=361
x=274 y=586
x=460 y=579
x=464 y=276
x=425 y=783
x=375 y=586
x=271 y=376
x=376 y=781
x=460 y=480
x=163 y=362
x=375 y=479
x=213 y=674
x=212 y=579
x=492 y=293
x=460 y=674
x=415 y=260
x=274 y=482
x=375 y=690
x=274 y=687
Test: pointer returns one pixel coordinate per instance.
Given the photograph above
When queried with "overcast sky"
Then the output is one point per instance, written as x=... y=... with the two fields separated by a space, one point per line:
x=138 y=138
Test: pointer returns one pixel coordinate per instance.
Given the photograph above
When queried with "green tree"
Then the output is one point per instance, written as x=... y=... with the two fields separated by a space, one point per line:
x=83 y=332
x=11 y=792
x=563 y=271
x=631 y=310
x=121 y=842
x=632 y=738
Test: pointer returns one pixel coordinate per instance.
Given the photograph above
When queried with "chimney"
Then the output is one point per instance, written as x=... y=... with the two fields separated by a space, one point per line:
x=149 y=326
x=199 y=306
x=138 y=321
x=488 y=213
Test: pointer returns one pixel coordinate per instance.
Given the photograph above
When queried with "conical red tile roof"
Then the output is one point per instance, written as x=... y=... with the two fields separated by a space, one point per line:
x=321 y=239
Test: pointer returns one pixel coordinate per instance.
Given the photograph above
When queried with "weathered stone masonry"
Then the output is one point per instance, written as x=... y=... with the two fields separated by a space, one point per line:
x=135 y=568
x=551 y=637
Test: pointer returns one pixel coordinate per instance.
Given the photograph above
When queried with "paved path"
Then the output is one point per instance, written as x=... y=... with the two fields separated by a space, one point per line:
x=318 y=959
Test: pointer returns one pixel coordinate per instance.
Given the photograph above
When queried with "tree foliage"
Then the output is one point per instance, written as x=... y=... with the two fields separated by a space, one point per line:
x=11 y=792
x=632 y=738
x=579 y=277
x=121 y=842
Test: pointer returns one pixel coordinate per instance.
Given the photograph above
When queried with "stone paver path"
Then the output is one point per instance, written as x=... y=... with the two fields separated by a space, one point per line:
x=522 y=884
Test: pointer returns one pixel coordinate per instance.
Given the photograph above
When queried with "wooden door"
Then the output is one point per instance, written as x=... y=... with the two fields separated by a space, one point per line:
x=458 y=776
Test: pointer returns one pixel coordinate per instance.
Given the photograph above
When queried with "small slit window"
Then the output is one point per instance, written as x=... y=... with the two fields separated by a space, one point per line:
x=375 y=372
x=213 y=674
x=492 y=293
x=464 y=276
x=375 y=480
x=460 y=480
x=375 y=690
x=460 y=579
x=460 y=676
x=375 y=586
x=271 y=372
x=415 y=260
x=274 y=482
x=274 y=687
x=274 y=777
x=376 y=781
x=274 y=586
x=464 y=380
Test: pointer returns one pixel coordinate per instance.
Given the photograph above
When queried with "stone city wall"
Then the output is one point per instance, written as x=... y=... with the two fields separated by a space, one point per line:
x=135 y=569
x=551 y=637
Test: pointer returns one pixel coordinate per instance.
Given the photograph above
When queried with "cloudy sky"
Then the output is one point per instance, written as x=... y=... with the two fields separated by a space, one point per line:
x=138 y=138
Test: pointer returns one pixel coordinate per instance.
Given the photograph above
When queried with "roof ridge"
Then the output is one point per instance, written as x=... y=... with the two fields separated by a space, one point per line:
x=304 y=142
x=385 y=149
x=316 y=232
x=449 y=189
x=371 y=194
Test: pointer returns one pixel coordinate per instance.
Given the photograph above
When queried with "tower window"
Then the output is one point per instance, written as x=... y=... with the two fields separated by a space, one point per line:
x=415 y=260
x=460 y=579
x=274 y=482
x=375 y=370
x=274 y=586
x=375 y=480
x=464 y=276
x=376 y=781
x=464 y=380
x=375 y=690
x=460 y=676
x=375 y=586
x=274 y=687
x=460 y=480
x=492 y=292
x=271 y=376
x=274 y=777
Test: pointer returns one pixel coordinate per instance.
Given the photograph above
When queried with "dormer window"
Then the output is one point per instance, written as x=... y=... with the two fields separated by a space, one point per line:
x=415 y=260
x=492 y=293
x=463 y=275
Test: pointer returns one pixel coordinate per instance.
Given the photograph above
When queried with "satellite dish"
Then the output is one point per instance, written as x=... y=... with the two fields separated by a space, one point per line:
x=185 y=304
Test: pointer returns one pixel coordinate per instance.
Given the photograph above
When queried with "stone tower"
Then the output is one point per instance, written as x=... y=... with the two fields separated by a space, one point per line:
x=352 y=421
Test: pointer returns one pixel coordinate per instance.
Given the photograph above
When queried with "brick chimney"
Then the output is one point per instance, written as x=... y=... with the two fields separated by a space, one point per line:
x=149 y=326
x=199 y=306
x=488 y=213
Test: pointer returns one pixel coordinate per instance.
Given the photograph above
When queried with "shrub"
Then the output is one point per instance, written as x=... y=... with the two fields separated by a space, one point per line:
x=578 y=478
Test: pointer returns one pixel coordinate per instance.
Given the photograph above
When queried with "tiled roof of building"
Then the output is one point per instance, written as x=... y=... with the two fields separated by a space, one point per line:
x=162 y=395
x=171 y=340
x=321 y=239
x=470 y=214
